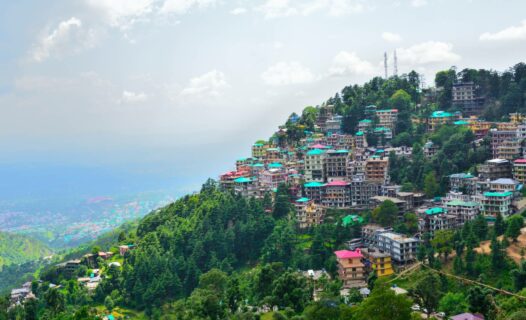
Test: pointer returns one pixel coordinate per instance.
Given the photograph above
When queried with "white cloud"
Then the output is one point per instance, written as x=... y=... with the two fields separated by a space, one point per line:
x=133 y=97
x=238 y=11
x=284 y=8
x=391 y=37
x=418 y=3
x=287 y=73
x=183 y=6
x=348 y=63
x=510 y=33
x=123 y=13
x=427 y=52
x=210 y=83
x=69 y=36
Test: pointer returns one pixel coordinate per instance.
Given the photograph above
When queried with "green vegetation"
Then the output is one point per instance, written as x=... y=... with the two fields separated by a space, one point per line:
x=17 y=249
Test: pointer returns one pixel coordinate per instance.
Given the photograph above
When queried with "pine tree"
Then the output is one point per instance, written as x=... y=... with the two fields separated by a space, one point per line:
x=500 y=226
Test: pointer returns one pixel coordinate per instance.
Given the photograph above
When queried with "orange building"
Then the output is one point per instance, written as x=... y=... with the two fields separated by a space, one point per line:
x=351 y=269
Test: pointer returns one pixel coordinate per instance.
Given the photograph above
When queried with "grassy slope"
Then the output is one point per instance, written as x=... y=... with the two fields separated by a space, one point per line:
x=16 y=249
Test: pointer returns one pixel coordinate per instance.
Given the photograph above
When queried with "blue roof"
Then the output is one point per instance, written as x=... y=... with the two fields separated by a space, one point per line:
x=313 y=184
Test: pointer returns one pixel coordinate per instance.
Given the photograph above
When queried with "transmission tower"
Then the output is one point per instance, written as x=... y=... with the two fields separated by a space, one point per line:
x=395 y=71
x=385 y=64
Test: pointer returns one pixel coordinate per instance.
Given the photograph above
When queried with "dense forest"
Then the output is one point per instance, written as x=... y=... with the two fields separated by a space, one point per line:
x=217 y=255
x=17 y=249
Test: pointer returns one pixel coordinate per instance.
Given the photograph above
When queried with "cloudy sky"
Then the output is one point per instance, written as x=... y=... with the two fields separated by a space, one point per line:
x=183 y=87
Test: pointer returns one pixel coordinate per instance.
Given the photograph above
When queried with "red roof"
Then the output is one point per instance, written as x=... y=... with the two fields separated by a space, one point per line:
x=318 y=146
x=337 y=183
x=520 y=161
x=347 y=254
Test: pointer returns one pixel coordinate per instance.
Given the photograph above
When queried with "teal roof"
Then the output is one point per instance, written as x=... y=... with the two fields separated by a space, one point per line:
x=351 y=220
x=380 y=129
x=258 y=145
x=342 y=151
x=462 y=203
x=385 y=110
x=460 y=122
x=380 y=151
x=313 y=184
x=366 y=121
x=258 y=164
x=242 y=159
x=314 y=152
x=441 y=114
x=303 y=200
x=275 y=165
x=498 y=194
x=359 y=133
x=242 y=180
x=435 y=210
x=272 y=149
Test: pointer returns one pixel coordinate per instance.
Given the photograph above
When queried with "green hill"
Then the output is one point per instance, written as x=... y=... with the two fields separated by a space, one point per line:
x=16 y=249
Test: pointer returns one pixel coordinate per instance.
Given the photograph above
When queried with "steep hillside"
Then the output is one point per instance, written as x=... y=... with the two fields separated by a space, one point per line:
x=16 y=249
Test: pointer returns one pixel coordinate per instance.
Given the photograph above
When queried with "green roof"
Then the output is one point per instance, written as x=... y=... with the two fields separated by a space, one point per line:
x=359 y=133
x=462 y=203
x=441 y=114
x=258 y=144
x=313 y=184
x=498 y=194
x=303 y=200
x=314 y=152
x=242 y=180
x=366 y=121
x=460 y=122
x=435 y=210
x=351 y=220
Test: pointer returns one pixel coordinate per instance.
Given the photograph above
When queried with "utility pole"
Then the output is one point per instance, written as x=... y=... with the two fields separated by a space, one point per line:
x=395 y=73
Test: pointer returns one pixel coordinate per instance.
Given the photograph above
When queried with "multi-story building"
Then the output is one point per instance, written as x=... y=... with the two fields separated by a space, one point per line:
x=387 y=118
x=439 y=118
x=334 y=124
x=497 y=202
x=384 y=134
x=336 y=194
x=519 y=170
x=517 y=118
x=434 y=219
x=463 y=182
x=462 y=210
x=272 y=155
x=308 y=213
x=377 y=169
x=314 y=191
x=370 y=233
x=400 y=204
x=336 y=164
x=362 y=191
x=429 y=149
x=245 y=186
x=498 y=137
x=360 y=141
x=258 y=150
x=351 y=269
x=402 y=249
x=272 y=178
x=509 y=149
x=226 y=180
x=494 y=169
x=364 y=124
x=243 y=164
x=464 y=95
x=378 y=261
x=314 y=165
x=504 y=184
x=479 y=128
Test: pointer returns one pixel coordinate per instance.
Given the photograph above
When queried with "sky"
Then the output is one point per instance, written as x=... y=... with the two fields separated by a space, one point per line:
x=179 y=89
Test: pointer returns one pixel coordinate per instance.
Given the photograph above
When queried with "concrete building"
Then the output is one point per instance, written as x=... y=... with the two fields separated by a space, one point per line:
x=400 y=204
x=370 y=233
x=362 y=191
x=503 y=185
x=402 y=249
x=498 y=137
x=314 y=191
x=429 y=149
x=439 y=118
x=378 y=261
x=245 y=187
x=494 y=169
x=334 y=124
x=336 y=194
x=509 y=149
x=271 y=178
x=364 y=124
x=435 y=219
x=463 y=182
x=314 y=165
x=387 y=118
x=464 y=95
x=377 y=169
x=497 y=202
x=463 y=210
x=258 y=150
x=308 y=213
x=336 y=164
x=360 y=141
x=351 y=269
x=519 y=170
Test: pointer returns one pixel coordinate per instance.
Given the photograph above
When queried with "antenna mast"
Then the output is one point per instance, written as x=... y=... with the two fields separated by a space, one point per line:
x=385 y=64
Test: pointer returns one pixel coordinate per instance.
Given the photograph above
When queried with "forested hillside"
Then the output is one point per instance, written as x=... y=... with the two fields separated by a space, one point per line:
x=17 y=249
x=218 y=255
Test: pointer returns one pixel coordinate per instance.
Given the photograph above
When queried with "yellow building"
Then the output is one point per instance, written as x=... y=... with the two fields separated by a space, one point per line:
x=517 y=118
x=378 y=261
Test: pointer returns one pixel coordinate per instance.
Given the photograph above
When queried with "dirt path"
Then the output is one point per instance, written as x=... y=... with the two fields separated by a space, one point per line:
x=513 y=251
